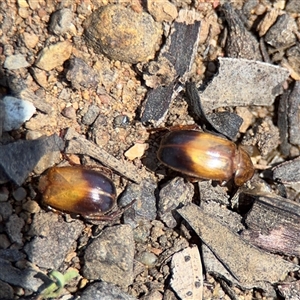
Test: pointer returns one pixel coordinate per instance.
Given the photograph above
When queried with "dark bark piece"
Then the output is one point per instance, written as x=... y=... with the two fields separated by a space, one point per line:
x=225 y=123
x=282 y=123
x=179 y=52
x=157 y=103
x=248 y=264
x=287 y=172
x=240 y=42
x=293 y=114
x=273 y=225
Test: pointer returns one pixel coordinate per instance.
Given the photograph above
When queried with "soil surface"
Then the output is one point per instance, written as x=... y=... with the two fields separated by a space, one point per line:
x=89 y=67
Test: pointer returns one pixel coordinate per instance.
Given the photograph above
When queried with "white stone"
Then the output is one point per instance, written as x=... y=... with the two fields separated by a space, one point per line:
x=16 y=112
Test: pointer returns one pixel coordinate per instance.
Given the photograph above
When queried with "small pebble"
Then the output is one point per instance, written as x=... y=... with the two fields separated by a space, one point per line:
x=5 y=210
x=30 y=40
x=153 y=295
x=40 y=76
x=145 y=206
x=162 y=10
x=69 y=112
x=142 y=232
x=19 y=194
x=80 y=74
x=121 y=121
x=173 y=195
x=91 y=115
x=6 y=291
x=136 y=151
x=4 y=241
x=31 y=206
x=287 y=26
x=14 y=227
x=14 y=62
x=3 y=194
x=293 y=6
x=61 y=21
x=149 y=259
x=22 y=4
x=54 y=56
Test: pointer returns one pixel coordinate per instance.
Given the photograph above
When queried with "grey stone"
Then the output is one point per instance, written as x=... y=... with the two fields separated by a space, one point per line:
x=5 y=210
x=19 y=194
x=4 y=194
x=23 y=155
x=26 y=278
x=147 y=258
x=80 y=74
x=286 y=26
x=61 y=21
x=4 y=241
x=293 y=6
x=11 y=254
x=104 y=291
x=14 y=227
x=6 y=291
x=173 y=195
x=145 y=206
x=53 y=239
x=13 y=62
x=91 y=115
x=110 y=256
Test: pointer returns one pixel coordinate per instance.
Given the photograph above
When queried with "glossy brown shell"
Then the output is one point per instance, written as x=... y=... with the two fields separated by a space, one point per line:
x=78 y=190
x=204 y=155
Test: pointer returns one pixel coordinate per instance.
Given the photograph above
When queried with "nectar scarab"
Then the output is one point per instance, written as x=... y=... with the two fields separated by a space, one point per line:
x=204 y=155
x=80 y=191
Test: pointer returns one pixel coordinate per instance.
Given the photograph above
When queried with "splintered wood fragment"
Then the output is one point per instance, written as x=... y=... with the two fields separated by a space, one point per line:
x=242 y=82
x=187 y=279
x=78 y=144
x=250 y=266
x=173 y=66
x=273 y=225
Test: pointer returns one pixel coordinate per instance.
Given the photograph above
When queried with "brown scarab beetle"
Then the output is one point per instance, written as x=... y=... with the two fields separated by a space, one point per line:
x=205 y=155
x=79 y=190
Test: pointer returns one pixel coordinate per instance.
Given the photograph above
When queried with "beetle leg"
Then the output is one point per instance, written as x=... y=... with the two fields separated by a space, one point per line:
x=110 y=216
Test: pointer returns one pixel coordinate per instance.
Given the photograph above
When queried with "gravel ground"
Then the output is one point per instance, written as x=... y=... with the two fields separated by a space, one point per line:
x=88 y=68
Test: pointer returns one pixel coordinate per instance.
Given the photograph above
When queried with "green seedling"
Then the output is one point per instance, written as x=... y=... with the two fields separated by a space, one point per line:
x=59 y=281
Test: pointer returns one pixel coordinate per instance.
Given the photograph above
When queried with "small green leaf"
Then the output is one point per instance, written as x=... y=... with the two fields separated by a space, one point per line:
x=60 y=280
